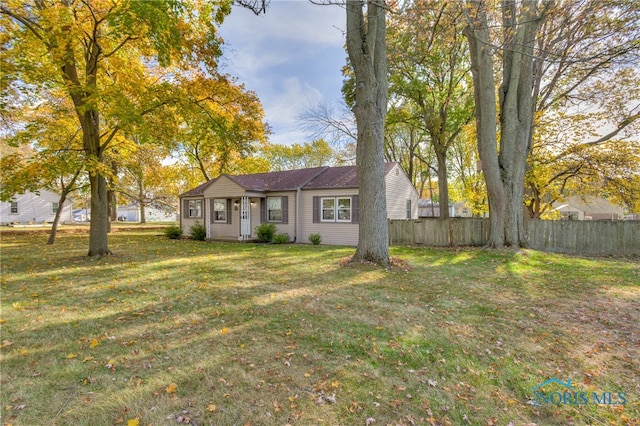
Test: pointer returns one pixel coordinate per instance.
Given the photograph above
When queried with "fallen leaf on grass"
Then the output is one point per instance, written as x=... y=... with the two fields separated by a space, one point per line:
x=171 y=388
x=133 y=422
x=71 y=356
x=211 y=408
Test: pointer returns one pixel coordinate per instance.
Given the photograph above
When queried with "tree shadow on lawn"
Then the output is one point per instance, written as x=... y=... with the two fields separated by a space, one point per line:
x=459 y=335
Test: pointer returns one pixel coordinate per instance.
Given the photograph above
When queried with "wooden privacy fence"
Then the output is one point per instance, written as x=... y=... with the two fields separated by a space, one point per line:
x=604 y=238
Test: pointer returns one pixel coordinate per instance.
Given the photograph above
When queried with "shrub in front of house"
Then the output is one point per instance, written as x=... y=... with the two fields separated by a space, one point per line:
x=173 y=232
x=265 y=232
x=281 y=238
x=315 y=239
x=198 y=232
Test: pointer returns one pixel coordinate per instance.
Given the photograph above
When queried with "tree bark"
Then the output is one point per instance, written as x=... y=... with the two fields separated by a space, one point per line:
x=443 y=184
x=366 y=45
x=54 y=227
x=485 y=99
x=89 y=119
x=66 y=189
x=504 y=170
x=99 y=225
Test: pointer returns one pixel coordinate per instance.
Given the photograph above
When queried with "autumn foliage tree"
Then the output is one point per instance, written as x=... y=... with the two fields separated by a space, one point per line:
x=429 y=70
x=101 y=55
x=299 y=156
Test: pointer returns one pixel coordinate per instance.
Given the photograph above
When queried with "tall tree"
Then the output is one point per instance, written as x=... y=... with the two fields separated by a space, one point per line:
x=550 y=52
x=366 y=45
x=429 y=70
x=407 y=143
x=367 y=49
x=219 y=124
x=504 y=168
x=46 y=153
x=96 y=53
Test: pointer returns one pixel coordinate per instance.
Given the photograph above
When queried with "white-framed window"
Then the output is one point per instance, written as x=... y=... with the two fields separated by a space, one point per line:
x=14 y=207
x=54 y=207
x=274 y=209
x=220 y=210
x=336 y=209
x=195 y=208
x=328 y=209
x=343 y=207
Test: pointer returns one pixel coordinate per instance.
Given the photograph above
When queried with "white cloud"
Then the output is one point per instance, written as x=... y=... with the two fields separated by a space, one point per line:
x=291 y=57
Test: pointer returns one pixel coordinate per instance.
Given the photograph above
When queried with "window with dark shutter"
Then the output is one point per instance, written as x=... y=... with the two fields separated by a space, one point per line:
x=285 y=209
x=263 y=210
x=229 y=211
x=221 y=210
x=316 y=209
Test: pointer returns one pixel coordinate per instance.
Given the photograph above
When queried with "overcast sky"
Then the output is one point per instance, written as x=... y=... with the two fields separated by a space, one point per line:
x=292 y=57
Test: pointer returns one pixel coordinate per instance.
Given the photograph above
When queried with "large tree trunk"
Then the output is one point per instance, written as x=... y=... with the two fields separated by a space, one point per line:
x=504 y=171
x=366 y=45
x=485 y=99
x=141 y=199
x=99 y=225
x=443 y=184
x=89 y=119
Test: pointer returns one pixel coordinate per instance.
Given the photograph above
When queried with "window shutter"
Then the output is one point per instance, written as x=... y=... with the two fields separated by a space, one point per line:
x=211 y=210
x=285 y=209
x=263 y=210
x=316 y=209
x=229 y=210
x=355 y=209
x=185 y=208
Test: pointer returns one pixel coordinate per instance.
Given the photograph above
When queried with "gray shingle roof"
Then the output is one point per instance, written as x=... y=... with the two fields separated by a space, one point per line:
x=289 y=180
x=277 y=181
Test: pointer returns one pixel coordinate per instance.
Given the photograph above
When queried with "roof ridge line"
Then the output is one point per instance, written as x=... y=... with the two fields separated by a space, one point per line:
x=324 y=169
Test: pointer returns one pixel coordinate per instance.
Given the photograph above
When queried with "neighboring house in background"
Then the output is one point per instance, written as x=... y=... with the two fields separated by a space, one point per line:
x=587 y=207
x=131 y=213
x=322 y=200
x=427 y=208
x=34 y=208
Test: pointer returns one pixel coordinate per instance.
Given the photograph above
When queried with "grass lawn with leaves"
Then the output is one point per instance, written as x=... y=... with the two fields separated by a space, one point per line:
x=185 y=332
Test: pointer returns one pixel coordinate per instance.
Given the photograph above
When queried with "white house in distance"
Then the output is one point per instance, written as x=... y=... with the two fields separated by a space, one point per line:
x=322 y=200
x=33 y=208
x=587 y=207
x=131 y=213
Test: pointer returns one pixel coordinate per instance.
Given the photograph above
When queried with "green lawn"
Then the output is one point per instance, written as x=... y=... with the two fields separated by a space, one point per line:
x=241 y=334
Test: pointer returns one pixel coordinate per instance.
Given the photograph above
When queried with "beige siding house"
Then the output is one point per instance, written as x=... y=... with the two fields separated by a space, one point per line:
x=322 y=200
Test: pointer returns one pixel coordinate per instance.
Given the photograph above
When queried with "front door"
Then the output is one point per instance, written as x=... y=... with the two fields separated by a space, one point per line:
x=245 y=218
